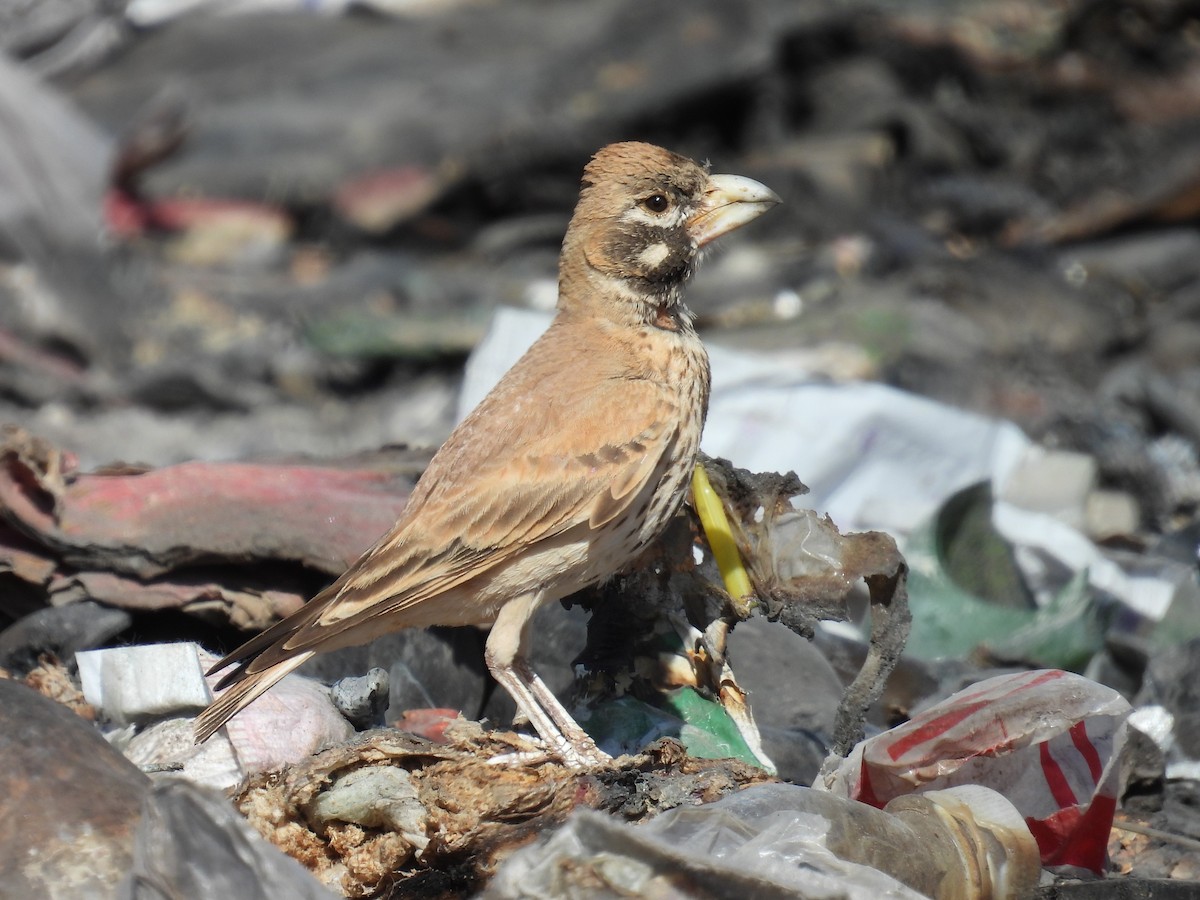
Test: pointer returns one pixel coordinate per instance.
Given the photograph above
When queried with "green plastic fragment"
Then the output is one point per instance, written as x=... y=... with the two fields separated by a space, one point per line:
x=952 y=621
x=701 y=724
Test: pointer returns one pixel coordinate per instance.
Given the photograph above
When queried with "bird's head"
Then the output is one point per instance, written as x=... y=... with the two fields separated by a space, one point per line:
x=643 y=216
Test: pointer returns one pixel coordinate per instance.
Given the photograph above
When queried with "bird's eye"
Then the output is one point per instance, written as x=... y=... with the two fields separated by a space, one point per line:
x=656 y=203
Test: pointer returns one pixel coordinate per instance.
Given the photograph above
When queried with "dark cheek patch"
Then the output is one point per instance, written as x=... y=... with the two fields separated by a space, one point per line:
x=627 y=249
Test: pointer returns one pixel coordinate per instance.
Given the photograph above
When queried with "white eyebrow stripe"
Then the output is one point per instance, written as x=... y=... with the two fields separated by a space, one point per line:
x=645 y=217
x=637 y=214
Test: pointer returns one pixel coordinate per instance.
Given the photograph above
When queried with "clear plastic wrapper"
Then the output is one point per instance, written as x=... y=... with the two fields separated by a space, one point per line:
x=781 y=840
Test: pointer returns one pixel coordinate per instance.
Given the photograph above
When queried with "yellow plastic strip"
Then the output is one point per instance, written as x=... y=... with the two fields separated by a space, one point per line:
x=720 y=537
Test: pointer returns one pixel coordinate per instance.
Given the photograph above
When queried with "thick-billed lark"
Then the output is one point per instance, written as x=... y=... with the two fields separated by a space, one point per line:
x=572 y=464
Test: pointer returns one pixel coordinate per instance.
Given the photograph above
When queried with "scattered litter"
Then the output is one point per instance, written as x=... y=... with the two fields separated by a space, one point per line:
x=130 y=684
x=781 y=840
x=293 y=252
x=1049 y=741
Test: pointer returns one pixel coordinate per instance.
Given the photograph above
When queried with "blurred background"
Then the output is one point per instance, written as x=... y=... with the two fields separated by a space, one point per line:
x=262 y=230
x=241 y=229
x=247 y=230
x=236 y=228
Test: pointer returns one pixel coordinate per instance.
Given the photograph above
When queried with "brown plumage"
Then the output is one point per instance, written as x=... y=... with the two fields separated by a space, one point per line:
x=572 y=464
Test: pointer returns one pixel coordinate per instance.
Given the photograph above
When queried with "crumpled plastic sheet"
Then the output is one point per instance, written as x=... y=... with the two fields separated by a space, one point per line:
x=1050 y=741
x=757 y=843
x=192 y=843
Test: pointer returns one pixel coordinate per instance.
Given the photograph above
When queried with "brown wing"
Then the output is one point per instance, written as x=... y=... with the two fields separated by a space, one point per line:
x=487 y=515
x=508 y=478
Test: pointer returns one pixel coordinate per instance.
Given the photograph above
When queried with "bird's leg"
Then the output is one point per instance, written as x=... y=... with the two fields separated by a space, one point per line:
x=580 y=741
x=561 y=734
x=552 y=738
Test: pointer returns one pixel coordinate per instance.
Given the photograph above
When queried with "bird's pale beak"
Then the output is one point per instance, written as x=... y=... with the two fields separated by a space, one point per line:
x=729 y=202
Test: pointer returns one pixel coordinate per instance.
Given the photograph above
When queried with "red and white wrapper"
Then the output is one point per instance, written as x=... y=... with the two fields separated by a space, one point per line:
x=1047 y=740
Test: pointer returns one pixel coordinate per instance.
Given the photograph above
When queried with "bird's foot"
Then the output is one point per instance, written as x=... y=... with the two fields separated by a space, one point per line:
x=560 y=734
x=531 y=751
x=578 y=756
x=577 y=750
x=521 y=758
x=582 y=758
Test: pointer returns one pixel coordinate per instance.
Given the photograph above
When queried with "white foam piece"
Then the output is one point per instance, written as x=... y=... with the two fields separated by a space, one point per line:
x=131 y=683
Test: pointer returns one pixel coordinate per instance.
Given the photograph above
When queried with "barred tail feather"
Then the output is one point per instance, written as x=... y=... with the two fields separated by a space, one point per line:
x=240 y=695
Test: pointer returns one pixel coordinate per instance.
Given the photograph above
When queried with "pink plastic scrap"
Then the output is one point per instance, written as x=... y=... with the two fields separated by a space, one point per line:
x=1047 y=740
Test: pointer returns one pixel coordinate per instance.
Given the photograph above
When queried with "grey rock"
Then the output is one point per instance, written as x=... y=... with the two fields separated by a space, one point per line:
x=60 y=630
x=794 y=695
x=1120 y=889
x=364 y=699
x=409 y=92
x=790 y=683
x=69 y=803
x=435 y=667
x=1171 y=683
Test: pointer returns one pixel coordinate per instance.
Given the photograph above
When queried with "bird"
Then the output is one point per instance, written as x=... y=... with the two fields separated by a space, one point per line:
x=572 y=464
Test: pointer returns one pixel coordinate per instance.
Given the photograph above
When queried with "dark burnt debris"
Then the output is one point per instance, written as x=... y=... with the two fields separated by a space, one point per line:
x=802 y=569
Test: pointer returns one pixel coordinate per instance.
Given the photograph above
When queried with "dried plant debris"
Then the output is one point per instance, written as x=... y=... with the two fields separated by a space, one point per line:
x=393 y=815
x=51 y=679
